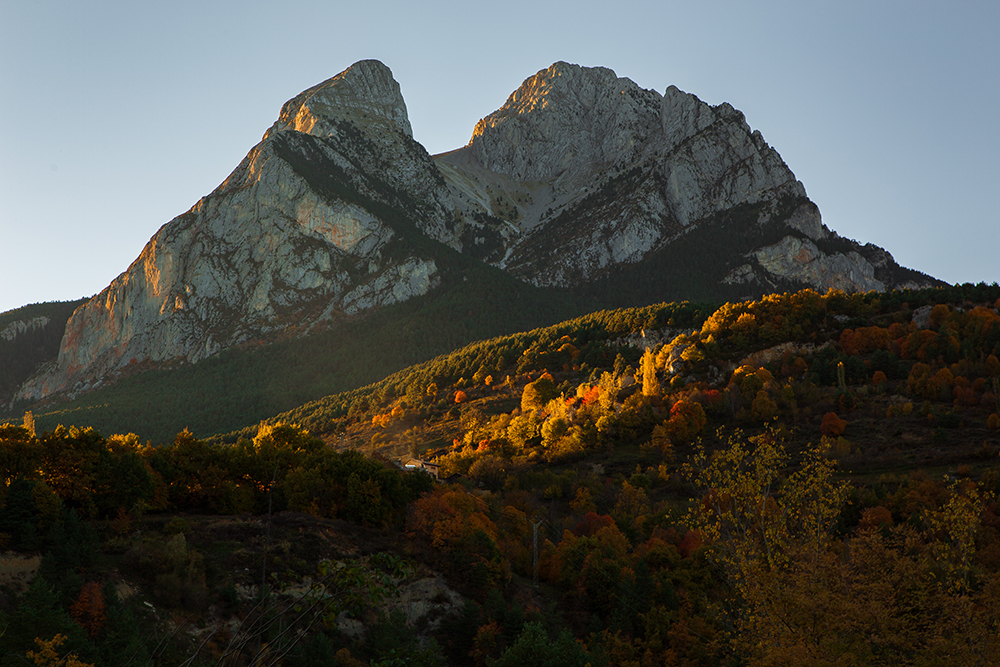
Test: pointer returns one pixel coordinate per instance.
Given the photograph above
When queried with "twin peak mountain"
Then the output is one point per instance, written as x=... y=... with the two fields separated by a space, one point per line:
x=581 y=182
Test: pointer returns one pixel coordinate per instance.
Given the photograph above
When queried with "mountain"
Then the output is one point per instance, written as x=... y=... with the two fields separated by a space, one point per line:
x=582 y=181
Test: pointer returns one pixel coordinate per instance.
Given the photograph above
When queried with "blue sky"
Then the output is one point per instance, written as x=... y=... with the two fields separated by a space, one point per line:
x=116 y=117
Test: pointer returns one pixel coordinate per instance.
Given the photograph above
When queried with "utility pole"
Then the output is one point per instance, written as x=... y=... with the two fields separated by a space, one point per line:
x=534 y=539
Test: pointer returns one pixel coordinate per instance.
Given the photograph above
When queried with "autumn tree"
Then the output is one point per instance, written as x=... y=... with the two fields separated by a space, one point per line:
x=687 y=419
x=490 y=471
x=650 y=385
x=763 y=408
x=457 y=524
x=48 y=654
x=832 y=425
x=88 y=609
x=538 y=393
x=760 y=528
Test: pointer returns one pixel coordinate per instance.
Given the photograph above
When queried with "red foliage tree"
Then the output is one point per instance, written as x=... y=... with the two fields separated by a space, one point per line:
x=592 y=395
x=88 y=610
x=689 y=543
x=591 y=523
x=832 y=425
x=687 y=418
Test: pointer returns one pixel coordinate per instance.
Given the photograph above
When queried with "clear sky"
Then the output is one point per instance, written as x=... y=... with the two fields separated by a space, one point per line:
x=116 y=117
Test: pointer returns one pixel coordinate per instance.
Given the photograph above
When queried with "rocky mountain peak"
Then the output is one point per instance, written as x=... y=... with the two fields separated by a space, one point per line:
x=565 y=120
x=366 y=94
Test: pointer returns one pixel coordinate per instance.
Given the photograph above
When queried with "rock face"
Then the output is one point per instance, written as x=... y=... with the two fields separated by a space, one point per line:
x=338 y=210
x=21 y=327
x=289 y=239
x=580 y=172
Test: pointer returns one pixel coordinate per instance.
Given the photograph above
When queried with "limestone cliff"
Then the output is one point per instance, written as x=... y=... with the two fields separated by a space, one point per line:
x=271 y=248
x=580 y=172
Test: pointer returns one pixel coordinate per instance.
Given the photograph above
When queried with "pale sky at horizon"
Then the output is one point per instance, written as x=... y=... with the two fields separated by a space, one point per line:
x=118 y=116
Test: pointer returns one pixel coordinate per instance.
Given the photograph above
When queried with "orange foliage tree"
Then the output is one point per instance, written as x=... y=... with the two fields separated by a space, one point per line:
x=832 y=425
x=88 y=610
x=458 y=525
x=48 y=654
x=864 y=340
x=687 y=418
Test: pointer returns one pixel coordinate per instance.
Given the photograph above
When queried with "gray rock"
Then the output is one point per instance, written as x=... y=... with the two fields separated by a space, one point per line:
x=798 y=259
x=590 y=171
x=21 y=327
x=267 y=250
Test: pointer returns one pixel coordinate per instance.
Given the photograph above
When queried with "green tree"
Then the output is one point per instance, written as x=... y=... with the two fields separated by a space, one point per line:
x=534 y=648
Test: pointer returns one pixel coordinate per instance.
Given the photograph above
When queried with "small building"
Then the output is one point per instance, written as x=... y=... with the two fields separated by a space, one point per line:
x=419 y=464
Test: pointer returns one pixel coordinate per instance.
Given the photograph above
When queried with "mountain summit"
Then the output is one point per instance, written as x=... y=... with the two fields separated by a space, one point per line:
x=582 y=181
x=364 y=94
x=593 y=171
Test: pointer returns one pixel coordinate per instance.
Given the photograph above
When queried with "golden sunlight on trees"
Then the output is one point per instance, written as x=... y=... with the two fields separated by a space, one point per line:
x=538 y=393
x=650 y=385
x=48 y=654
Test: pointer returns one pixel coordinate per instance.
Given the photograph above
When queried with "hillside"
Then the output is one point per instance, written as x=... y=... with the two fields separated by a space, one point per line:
x=827 y=460
x=799 y=339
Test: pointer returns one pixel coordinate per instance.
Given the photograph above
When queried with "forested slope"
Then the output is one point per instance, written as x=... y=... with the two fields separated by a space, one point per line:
x=804 y=479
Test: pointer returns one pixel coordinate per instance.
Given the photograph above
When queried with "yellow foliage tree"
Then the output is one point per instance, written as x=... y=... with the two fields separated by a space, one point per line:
x=758 y=531
x=47 y=654
x=650 y=385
